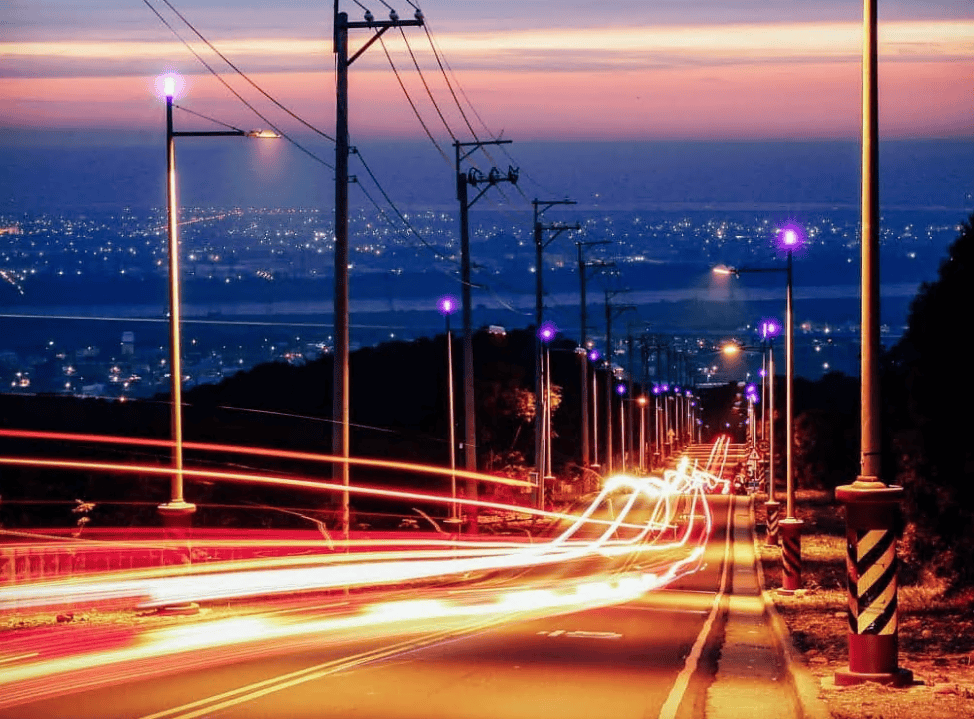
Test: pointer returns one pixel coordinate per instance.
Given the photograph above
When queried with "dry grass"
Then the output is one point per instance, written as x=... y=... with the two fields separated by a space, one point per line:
x=936 y=632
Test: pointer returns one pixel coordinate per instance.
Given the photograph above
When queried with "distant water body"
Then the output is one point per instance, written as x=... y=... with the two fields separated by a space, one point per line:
x=43 y=172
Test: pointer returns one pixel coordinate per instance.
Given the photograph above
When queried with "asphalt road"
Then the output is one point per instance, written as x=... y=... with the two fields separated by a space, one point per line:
x=651 y=657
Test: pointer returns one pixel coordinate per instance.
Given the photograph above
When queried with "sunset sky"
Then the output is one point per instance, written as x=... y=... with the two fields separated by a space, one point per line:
x=534 y=69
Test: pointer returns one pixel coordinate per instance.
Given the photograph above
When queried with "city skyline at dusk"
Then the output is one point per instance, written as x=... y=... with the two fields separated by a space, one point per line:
x=616 y=70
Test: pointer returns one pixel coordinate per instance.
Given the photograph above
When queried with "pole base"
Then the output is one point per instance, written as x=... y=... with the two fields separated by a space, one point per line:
x=791 y=554
x=897 y=678
x=177 y=514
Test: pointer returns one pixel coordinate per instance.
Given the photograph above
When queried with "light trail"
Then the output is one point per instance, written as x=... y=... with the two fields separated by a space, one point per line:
x=263 y=452
x=369 y=568
x=658 y=529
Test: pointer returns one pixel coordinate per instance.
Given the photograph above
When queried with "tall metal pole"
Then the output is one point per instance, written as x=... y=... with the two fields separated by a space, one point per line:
x=872 y=507
x=789 y=400
x=341 y=406
x=540 y=389
x=609 y=354
x=177 y=507
x=454 y=508
x=595 y=417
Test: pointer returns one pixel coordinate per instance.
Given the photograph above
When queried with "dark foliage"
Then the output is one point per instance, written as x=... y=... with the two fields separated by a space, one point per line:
x=932 y=430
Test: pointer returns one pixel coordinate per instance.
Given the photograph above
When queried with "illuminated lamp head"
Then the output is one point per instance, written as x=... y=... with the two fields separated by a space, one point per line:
x=547 y=331
x=447 y=305
x=790 y=237
x=169 y=85
x=769 y=328
x=656 y=389
x=593 y=355
x=621 y=389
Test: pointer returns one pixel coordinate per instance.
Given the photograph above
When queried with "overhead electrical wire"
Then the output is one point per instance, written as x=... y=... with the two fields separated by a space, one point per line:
x=413 y=104
x=426 y=84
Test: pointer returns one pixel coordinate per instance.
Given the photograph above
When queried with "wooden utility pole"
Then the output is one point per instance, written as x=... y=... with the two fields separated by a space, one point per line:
x=473 y=178
x=341 y=405
x=583 y=342
x=542 y=433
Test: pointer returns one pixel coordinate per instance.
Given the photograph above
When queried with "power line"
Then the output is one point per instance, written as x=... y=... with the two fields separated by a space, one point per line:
x=411 y=103
x=426 y=85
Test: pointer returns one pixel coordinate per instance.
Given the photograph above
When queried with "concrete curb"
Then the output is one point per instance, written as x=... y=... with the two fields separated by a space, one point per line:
x=804 y=683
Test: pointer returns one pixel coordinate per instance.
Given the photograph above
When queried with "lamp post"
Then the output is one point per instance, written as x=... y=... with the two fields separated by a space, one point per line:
x=769 y=330
x=642 y=402
x=446 y=307
x=621 y=391
x=789 y=239
x=658 y=427
x=593 y=355
x=546 y=333
x=872 y=506
x=177 y=511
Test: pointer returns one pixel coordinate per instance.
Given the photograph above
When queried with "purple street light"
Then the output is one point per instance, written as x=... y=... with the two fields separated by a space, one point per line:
x=621 y=388
x=547 y=331
x=447 y=305
x=769 y=327
x=168 y=85
x=656 y=389
x=593 y=355
x=790 y=237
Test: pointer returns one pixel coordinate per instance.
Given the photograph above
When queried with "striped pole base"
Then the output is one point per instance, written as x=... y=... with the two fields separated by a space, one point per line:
x=791 y=554
x=872 y=511
x=771 y=508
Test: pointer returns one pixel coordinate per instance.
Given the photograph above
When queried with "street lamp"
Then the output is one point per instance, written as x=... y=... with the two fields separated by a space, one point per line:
x=642 y=402
x=789 y=238
x=446 y=306
x=177 y=511
x=621 y=391
x=547 y=332
x=594 y=356
x=770 y=328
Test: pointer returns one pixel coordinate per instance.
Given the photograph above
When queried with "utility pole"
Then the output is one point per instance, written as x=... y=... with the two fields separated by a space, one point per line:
x=472 y=177
x=341 y=404
x=610 y=314
x=583 y=340
x=541 y=398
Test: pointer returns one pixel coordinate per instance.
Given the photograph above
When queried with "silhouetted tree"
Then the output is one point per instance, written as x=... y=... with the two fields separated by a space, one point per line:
x=934 y=438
